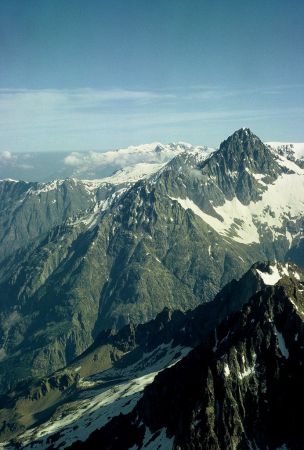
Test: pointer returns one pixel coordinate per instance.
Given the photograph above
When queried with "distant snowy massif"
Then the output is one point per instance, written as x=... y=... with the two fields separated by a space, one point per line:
x=48 y=166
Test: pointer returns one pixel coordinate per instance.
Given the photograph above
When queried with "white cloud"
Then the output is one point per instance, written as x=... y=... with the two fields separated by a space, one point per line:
x=48 y=100
x=9 y=160
x=74 y=159
x=118 y=158
x=6 y=157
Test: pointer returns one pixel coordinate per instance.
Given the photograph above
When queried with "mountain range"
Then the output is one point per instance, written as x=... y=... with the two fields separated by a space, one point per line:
x=104 y=283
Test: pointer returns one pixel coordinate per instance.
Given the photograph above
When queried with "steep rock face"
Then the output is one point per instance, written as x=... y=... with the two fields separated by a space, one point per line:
x=52 y=330
x=29 y=211
x=242 y=391
x=238 y=164
x=172 y=239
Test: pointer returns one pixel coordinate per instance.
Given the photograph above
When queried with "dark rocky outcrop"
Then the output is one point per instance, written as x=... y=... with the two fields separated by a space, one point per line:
x=244 y=390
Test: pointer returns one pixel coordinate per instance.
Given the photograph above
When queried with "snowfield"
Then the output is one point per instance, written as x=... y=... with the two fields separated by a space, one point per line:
x=99 y=399
x=283 y=201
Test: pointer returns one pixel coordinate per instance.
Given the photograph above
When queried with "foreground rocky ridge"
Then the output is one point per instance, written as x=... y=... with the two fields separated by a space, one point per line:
x=23 y=406
x=82 y=398
x=119 y=253
x=244 y=390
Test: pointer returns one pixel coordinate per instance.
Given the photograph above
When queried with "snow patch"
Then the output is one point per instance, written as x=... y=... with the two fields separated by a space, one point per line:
x=89 y=414
x=134 y=173
x=243 y=230
x=247 y=371
x=271 y=278
x=100 y=398
x=284 y=270
x=258 y=176
x=294 y=304
x=47 y=187
x=282 y=202
x=226 y=370
x=281 y=343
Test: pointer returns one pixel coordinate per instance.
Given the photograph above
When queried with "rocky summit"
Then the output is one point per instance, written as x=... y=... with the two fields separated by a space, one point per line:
x=140 y=294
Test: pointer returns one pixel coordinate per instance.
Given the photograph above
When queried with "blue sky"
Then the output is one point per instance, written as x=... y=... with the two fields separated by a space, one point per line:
x=85 y=74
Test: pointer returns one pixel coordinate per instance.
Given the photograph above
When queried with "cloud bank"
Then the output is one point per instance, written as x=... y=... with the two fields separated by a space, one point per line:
x=116 y=159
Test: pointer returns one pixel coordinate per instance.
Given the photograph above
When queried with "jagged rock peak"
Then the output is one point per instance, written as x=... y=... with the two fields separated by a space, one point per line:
x=243 y=150
x=242 y=138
